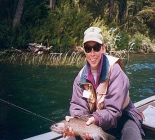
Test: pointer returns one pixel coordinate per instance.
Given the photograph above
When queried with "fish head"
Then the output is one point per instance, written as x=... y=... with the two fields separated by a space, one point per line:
x=58 y=128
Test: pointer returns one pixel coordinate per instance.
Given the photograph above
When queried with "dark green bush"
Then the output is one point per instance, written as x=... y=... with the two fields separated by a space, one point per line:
x=123 y=42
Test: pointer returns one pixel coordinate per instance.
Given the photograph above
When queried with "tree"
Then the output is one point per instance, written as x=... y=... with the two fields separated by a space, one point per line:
x=122 y=7
x=52 y=4
x=111 y=9
x=147 y=16
x=18 y=14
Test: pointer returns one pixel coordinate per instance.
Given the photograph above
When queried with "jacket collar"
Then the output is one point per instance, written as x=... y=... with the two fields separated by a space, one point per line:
x=102 y=71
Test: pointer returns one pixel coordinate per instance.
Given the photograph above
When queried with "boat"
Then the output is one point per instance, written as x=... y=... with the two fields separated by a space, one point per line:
x=50 y=136
x=143 y=106
x=147 y=108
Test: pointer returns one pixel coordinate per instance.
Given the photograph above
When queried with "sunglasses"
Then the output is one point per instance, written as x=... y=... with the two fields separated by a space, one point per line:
x=96 y=48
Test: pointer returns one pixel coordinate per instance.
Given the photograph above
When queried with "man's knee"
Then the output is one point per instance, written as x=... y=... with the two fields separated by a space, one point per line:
x=131 y=131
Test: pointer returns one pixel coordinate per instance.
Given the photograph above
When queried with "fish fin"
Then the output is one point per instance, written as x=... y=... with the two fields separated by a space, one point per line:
x=111 y=137
x=97 y=138
x=107 y=136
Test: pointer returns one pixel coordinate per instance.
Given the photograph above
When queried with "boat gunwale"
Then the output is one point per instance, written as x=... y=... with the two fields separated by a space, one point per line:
x=141 y=105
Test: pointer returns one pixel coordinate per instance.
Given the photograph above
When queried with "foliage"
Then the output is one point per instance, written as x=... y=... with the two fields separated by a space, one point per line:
x=111 y=37
x=141 y=42
x=123 y=42
x=146 y=16
x=63 y=26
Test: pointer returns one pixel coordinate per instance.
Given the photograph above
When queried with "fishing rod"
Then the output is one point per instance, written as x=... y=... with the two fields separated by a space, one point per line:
x=27 y=111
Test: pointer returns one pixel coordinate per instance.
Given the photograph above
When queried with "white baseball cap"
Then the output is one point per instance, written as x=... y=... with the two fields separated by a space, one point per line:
x=93 y=34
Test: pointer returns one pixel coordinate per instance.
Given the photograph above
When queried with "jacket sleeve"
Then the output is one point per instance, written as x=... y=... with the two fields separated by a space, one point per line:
x=114 y=100
x=78 y=104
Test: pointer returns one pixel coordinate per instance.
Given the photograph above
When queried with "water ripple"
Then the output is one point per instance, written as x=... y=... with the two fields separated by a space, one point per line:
x=136 y=67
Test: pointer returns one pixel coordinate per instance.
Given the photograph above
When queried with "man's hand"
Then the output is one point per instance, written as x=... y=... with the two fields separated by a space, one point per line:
x=91 y=120
x=68 y=118
x=69 y=130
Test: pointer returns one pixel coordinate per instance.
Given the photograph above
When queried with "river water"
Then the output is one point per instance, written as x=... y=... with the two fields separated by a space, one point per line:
x=34 y=97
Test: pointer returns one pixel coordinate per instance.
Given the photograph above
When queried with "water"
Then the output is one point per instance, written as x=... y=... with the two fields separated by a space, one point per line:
x=141 y=72
x=46 y=91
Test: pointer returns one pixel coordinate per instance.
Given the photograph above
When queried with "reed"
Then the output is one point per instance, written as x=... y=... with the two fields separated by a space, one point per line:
x=52 y=59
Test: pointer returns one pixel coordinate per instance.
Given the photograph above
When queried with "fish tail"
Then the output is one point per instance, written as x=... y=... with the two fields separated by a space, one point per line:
x=106 y=136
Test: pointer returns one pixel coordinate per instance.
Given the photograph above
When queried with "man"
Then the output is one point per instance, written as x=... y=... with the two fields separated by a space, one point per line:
x=101 y=92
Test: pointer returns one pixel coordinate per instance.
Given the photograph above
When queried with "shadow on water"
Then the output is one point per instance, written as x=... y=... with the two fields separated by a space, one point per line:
x=46 y=91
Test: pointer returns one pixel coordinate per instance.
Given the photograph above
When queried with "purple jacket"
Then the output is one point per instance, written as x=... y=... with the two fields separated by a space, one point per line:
x=113 y=104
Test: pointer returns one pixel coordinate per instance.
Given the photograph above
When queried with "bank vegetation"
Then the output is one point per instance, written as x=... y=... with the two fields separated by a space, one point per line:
x=58 y=26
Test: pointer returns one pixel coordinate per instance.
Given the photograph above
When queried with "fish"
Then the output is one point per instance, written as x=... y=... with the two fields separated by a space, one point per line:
x=80 y=129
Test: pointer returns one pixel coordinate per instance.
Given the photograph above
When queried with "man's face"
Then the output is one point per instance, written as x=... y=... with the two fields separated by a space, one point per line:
x=93 y=56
